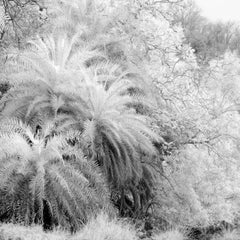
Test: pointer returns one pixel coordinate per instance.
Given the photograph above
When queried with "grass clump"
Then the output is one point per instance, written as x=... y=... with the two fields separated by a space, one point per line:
x=103 y=227
x=170 y=235
x=99 y=228
x=18 y=232
x=229 y=235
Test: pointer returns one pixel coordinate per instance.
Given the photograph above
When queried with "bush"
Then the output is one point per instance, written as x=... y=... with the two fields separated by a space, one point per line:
x=17 y=232
x=100 y=228
x=229 y=235
x=170 y=235
x=105 y=228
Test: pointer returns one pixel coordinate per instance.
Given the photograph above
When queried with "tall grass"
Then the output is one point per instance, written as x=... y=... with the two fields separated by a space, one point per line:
x=100 y=228
x=17 y=232
x=228 y=235
x=170 y=235
x=103 y=228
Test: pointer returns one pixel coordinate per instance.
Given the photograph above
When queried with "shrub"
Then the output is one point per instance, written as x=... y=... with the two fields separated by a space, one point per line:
x=170 y=235
x=228 y=235
x=39 y=185
x=17 y=232
x=105 y=228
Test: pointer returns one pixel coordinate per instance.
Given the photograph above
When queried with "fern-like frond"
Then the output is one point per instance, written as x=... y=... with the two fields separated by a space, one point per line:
x=114 y=133
x=69 y=189
x=2 y=19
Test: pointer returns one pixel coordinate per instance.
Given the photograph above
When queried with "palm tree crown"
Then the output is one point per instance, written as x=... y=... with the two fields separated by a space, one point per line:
x=36 y=178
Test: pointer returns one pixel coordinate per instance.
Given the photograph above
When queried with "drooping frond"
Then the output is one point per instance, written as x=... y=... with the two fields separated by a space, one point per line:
x=54 y=59
x=36 y=104
x=41 y=179
x=115 y=134
x=2 y=19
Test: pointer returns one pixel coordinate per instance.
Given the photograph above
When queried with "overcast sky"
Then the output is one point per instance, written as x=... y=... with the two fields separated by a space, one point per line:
x=224 y=10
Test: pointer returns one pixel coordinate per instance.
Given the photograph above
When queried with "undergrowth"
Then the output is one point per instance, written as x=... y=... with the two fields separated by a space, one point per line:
x=100 y=228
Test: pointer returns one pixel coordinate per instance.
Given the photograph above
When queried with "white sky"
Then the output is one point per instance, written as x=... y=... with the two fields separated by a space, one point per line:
x=224 y=10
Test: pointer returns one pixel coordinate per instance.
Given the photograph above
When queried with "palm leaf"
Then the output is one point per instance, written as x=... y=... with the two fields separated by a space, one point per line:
x=72 y=190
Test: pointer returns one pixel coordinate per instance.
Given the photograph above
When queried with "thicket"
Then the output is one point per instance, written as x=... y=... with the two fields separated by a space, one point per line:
x=108 y=106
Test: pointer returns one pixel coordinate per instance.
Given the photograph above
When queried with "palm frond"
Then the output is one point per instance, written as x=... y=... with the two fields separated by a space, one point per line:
x=72 y=188
x=114 y=132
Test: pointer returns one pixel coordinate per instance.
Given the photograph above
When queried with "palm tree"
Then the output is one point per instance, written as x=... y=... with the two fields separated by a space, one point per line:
x=68 y=80
x=115 y=136
x=52 y=74
x=36 y=104
x=93 y=21
x=39 y=185
x=46 y=81
x=75 y=16
x=53 y=59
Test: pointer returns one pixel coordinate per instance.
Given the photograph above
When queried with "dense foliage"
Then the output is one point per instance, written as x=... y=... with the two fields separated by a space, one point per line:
x=113 y=106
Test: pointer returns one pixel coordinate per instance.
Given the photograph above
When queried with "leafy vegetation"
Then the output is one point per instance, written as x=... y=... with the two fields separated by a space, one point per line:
x=42 y=184
x=99 y=228
x=114 y=107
